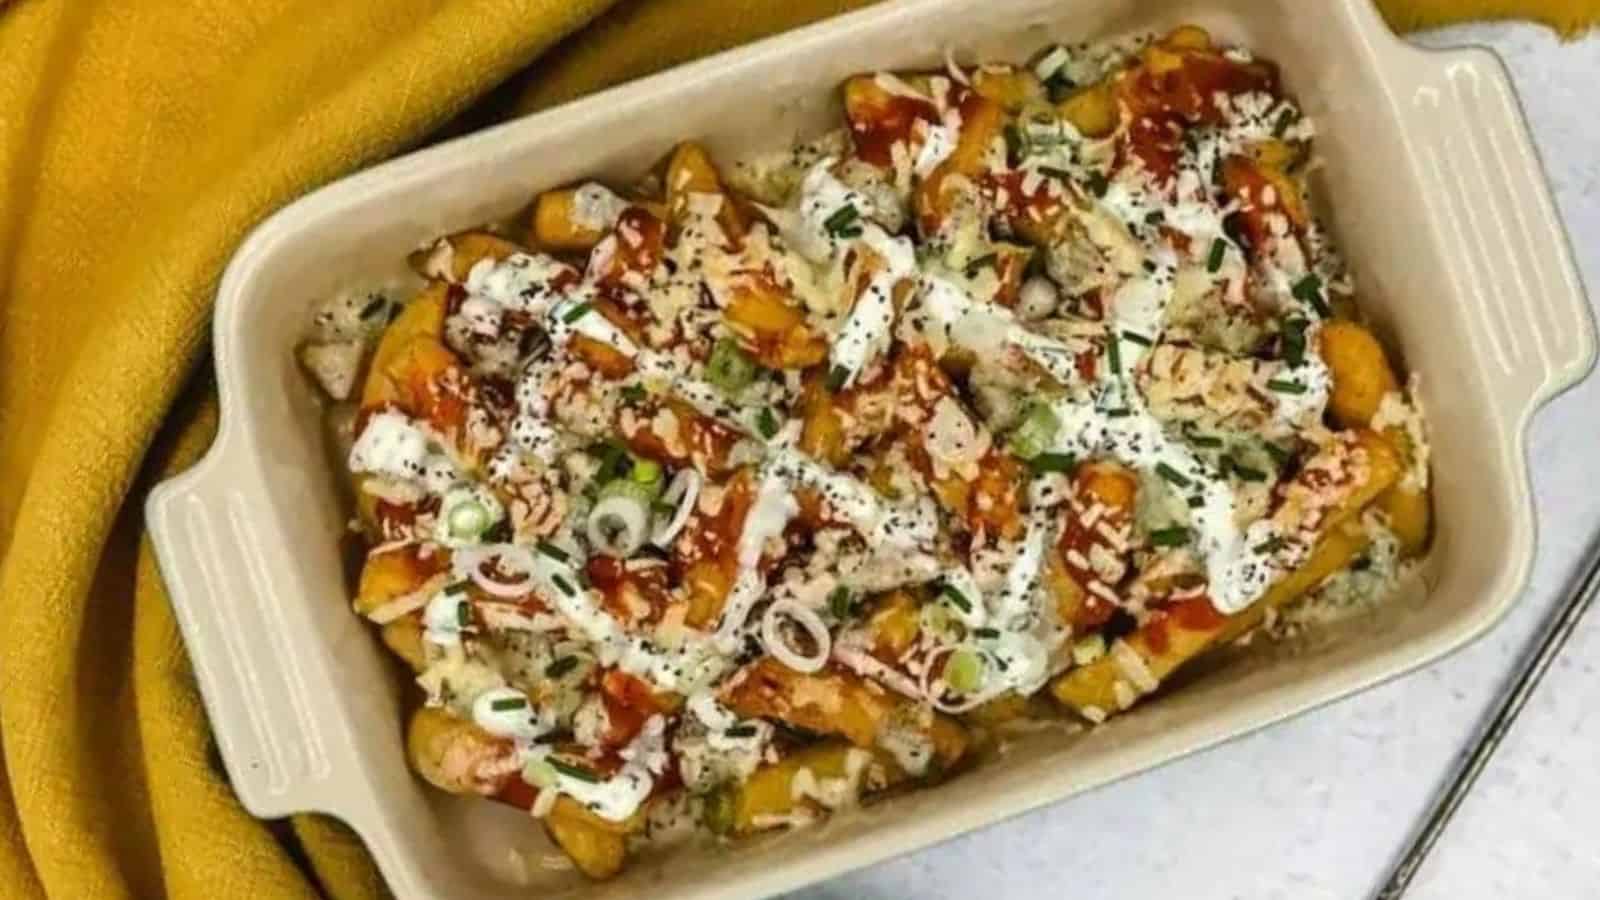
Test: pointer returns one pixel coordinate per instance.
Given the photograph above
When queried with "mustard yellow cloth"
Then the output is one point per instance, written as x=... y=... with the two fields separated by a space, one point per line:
x=139 y=141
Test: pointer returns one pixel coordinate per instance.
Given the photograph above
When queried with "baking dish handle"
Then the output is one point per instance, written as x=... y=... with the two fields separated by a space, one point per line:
x=250 y=677
x=1486 y=185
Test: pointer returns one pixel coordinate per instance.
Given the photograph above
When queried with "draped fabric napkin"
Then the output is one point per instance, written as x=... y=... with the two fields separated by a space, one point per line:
x=139 y=142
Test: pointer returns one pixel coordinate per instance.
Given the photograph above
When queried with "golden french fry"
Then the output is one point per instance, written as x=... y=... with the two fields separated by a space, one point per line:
x=1362 y=375
x=690 y=171
x=895 y=623
x=1194 y=627
x=452 y=257
x=404 y=637
x=389 y=575
x=554 y=225
x=775 y=327
x=1011 y=88
x=1091 y=110
x=598 y=847
x=984 y=121
x=422 y=317
x=769 y=794
x=1187 y=37
x=839 y=703
x=1410 y=515
x=456 y=755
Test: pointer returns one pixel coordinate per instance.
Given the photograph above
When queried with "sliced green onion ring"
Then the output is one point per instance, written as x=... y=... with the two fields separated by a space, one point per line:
x=730 y=370
x=964 y=671
x=619 y=523
x=681 y=496
x=782 y=649
x=469 y=519
x=1037 y=432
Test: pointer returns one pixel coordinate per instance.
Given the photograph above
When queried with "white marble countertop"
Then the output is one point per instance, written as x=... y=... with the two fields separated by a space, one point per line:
x=1321 y=806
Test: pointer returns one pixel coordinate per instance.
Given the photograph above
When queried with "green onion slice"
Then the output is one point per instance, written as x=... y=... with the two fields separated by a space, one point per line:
x=956 y=598
x=561 y=666
x=1053 y=462
x=839 y=603
x=837 y=376
x=572 y=771
x=1036 y=432
x=845 y=222
x=964 y=671
x=730 y=370
x=468 y=519
x=1219 y=249
x=1176 y=536
x=1172 y=475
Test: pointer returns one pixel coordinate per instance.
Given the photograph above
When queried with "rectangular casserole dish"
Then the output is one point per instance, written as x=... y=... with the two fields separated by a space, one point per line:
x=1438 y=201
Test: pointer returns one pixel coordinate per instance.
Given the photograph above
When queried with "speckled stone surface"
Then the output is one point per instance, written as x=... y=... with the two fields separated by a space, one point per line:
x=1321 y=806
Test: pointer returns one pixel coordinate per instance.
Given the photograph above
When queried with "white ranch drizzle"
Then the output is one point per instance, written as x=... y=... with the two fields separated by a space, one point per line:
x=618 y=797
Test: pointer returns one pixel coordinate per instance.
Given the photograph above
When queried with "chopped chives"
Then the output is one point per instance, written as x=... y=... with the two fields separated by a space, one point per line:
x=1246 y=473
x=464 y=614
x=614 y=461
x=1196 y=502
x=956 y=597
x=740 y=731
x=1309 y=290
x=1285 y=119
x=1054 y=172
x=988 y=259
x=1059 y=86
x=986 y=633
x=565 y=585
x=1219 y=249
x=552 y=551
x=572 y=771
x=505 y=703
x=560 y=666
x=766 y=422
x=1053 y=462
x=837 y=376
x=456 y=587
x=1176 y=536
x=1155 y=217
x=646 y=472
x=839 y=603
x=1279 y=455
x=1121 y=412
x=1099 y=184
x=1137 y=338
x=1172 y=475
x=1016 y=147
x=845 y=222
x=577 y=312
x=730 y=369
x=373 y=306
x=1210 y=442
x=1270 y=545
x=1286 y=387
x=634 y=393
x=1294 y=342
x=1114 y=354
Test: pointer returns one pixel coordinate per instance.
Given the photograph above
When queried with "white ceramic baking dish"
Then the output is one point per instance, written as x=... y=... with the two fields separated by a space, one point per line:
x=1437 y=198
